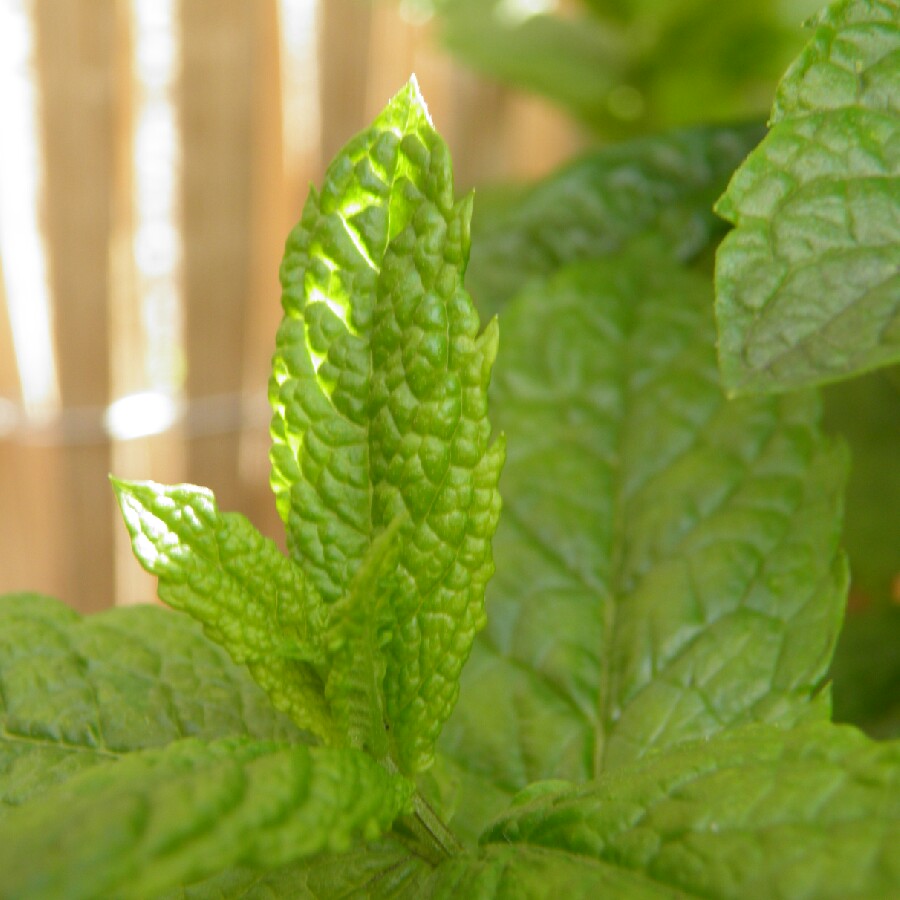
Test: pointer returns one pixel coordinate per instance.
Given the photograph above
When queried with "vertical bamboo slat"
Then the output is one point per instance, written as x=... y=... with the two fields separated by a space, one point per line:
x=10 y=388
x=239 y=197
x=345 y=28
x=74 y=41
x=158 y=456
x=216 y=100
x=29 y=529
x=271 y=218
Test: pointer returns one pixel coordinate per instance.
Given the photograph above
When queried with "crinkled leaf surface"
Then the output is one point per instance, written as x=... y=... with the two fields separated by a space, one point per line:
x=249 y=597
x=851 y=61
x=357 y=631
x=754 y=812
x=161 y=818
x=667 y=563
x=808 y=283
x=379 y=391
x=662 y=186
x=80 y=691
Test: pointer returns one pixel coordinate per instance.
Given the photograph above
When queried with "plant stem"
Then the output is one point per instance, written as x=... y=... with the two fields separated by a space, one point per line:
x=426 y=825
x=439 y=834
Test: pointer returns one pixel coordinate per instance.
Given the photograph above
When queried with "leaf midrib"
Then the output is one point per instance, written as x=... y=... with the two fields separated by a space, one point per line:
x=604 y=727
x=11 y=737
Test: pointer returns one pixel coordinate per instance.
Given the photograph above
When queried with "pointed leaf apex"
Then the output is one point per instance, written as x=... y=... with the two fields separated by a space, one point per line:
x=416 y=97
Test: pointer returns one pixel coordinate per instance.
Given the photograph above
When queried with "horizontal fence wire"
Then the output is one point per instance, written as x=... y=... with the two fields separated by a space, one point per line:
x=174 y=143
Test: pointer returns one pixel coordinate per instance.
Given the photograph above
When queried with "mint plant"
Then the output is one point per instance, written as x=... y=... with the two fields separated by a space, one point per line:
x=807 y=284
x=644 y=709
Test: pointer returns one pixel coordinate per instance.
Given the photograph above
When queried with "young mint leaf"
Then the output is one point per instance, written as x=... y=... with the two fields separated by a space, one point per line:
x=808 y=283
x=379 y=393
x=667 y=564
x=250 y=599
x=357 y=631
x=162 y=818
x=754 y=812
x=431 y=461
x=322 y=367
x=82 y=691
x=662 y=186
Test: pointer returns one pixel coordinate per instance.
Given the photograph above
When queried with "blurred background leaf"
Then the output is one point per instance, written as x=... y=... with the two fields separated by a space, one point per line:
x=866 y=670
x=625 y=67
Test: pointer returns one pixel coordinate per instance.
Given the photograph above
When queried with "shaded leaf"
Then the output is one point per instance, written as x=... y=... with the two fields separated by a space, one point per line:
x=866 y=413
x=866 y=671
x=667 y=563
x=660 y=188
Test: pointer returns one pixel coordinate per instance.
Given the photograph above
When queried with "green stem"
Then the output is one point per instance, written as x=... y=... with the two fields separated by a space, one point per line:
x=435 y=838
x=440 y=835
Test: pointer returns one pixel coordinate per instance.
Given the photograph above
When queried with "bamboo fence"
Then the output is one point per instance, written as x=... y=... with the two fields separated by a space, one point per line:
x=258 y=103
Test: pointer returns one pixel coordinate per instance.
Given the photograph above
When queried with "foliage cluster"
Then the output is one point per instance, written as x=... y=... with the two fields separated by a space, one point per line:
x=645 y=709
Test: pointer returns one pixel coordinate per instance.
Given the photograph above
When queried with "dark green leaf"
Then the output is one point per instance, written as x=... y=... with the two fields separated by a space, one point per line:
x=660 y=188
x=667 y=563
x=866 y=413
x=866 y=671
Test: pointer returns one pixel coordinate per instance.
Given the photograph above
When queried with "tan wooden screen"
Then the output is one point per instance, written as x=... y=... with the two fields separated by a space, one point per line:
x=256 y=101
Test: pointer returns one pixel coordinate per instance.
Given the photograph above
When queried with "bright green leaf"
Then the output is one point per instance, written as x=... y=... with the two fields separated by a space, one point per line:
x=162 y=818
x=379 y=391
x=660 y=187
x=322 y=367
x=808 y=283
x=357 y=631
x=250 y=598
x=756 y=812
x=81 y=691
x=667 y=563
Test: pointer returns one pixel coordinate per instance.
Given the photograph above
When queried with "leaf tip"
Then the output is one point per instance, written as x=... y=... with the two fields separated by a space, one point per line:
x=416 y=96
